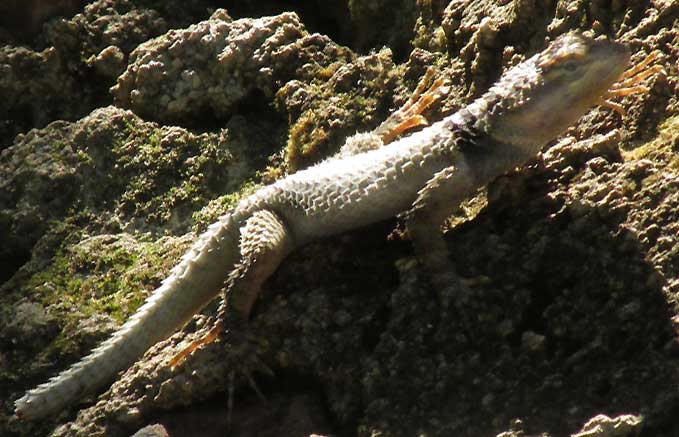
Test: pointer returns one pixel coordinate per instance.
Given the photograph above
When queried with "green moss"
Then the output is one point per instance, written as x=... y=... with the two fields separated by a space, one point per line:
x=427 y=35
x=104 y=274
x=221 y=205
x=468 y=210
x=162 y=168
x=305 y=140
x=322 y=74
x=339 y=107
x=663 y=148
x=84 y=157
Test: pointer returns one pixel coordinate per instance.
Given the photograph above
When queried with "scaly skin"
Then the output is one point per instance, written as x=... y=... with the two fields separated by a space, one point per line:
x=426 y=174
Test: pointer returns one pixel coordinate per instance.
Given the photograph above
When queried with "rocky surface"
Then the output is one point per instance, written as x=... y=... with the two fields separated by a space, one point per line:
x=574 y=258
x=60 y=66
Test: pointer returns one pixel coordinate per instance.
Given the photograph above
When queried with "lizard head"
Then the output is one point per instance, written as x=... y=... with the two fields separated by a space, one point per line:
x=539 y=99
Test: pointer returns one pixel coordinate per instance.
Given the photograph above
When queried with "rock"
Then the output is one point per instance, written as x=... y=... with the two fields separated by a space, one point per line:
x=209 y=67
x=625 y=425
x=156 y=430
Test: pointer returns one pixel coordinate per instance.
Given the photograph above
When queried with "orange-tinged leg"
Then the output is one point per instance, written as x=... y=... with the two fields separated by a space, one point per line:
x=617 y=107
x=629 y=83
x=632 y=80
x=212 y=335
x=409 y=116
x=632 y=71
x=264 y=242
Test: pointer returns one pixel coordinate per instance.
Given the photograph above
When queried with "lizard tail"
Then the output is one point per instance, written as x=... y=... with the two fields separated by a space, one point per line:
x=194 y=282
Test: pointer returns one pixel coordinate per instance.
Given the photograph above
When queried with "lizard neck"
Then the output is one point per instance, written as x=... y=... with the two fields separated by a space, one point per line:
x=487 y=150
x=507 y=114
x=477 y=135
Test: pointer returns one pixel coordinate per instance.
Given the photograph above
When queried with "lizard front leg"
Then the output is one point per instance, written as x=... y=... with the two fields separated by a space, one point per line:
x=434 y=203
x=407 y=117
x=427 y=92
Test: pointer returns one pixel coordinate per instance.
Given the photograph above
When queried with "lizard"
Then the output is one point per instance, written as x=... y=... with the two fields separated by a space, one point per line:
x=422 y=177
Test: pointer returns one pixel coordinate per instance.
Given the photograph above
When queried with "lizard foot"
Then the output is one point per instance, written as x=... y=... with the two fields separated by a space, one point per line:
x=206 y=339
x=630 y=81
x=243 y=352
x=409 y=116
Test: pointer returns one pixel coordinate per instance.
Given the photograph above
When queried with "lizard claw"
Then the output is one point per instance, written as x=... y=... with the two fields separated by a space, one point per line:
x=630 y=82
x=243 y=354
x=185 y=353
x=428 y=91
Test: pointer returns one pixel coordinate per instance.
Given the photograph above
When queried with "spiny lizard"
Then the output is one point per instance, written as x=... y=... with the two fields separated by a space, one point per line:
x=425 y=174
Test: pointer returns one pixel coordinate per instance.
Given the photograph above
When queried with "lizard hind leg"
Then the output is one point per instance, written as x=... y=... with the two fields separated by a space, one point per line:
x=264 y=243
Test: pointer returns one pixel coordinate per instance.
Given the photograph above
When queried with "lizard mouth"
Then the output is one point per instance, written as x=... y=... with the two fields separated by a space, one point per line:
x=630 y=82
